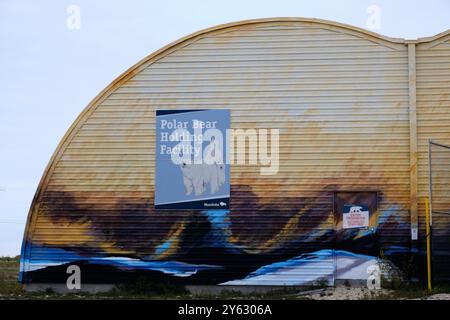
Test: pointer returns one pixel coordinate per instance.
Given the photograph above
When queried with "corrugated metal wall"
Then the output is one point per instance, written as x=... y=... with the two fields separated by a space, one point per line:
x=433 y=115
x=338 y=96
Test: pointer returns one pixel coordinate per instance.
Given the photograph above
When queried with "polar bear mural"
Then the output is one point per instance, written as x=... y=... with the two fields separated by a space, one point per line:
x=211 y=171
x=196 y=177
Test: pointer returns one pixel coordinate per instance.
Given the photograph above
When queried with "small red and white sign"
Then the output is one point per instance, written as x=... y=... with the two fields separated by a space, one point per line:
x=355 y=216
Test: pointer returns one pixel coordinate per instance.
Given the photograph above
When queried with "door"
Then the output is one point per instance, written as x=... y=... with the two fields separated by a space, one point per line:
x=356 y=247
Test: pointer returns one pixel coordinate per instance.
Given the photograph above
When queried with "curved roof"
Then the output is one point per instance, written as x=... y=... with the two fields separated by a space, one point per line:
x=335 y=26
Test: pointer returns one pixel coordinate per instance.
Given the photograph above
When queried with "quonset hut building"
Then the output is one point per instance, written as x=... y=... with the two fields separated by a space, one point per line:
x=354 y=110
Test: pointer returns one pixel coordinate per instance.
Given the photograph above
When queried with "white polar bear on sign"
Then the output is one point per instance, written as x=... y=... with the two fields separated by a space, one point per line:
x=197 y=176
x=355 y=209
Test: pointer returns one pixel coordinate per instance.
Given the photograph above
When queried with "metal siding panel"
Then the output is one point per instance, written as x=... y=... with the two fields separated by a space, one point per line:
x=433 y=67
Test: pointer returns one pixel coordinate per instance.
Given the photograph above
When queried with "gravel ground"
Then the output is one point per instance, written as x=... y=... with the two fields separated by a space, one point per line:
x=347 y=293
x=439 y=296
x=362 y=293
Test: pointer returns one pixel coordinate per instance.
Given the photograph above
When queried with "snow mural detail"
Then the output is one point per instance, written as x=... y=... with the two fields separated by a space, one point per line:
x=178 y=261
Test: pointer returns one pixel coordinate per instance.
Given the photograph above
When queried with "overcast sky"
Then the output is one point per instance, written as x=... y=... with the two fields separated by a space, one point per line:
x=50 y=69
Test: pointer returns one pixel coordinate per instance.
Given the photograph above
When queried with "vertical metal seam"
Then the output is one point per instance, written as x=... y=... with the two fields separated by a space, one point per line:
x=413 y=134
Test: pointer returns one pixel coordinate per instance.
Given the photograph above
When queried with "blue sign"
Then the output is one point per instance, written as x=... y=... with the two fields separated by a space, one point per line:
x=191 y=159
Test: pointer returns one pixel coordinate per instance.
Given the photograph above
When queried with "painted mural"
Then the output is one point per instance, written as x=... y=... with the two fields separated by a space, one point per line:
x=218 y=247
x=339 y=97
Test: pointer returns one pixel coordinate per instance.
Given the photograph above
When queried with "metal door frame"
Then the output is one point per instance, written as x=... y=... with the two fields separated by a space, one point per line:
x=377 y=202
